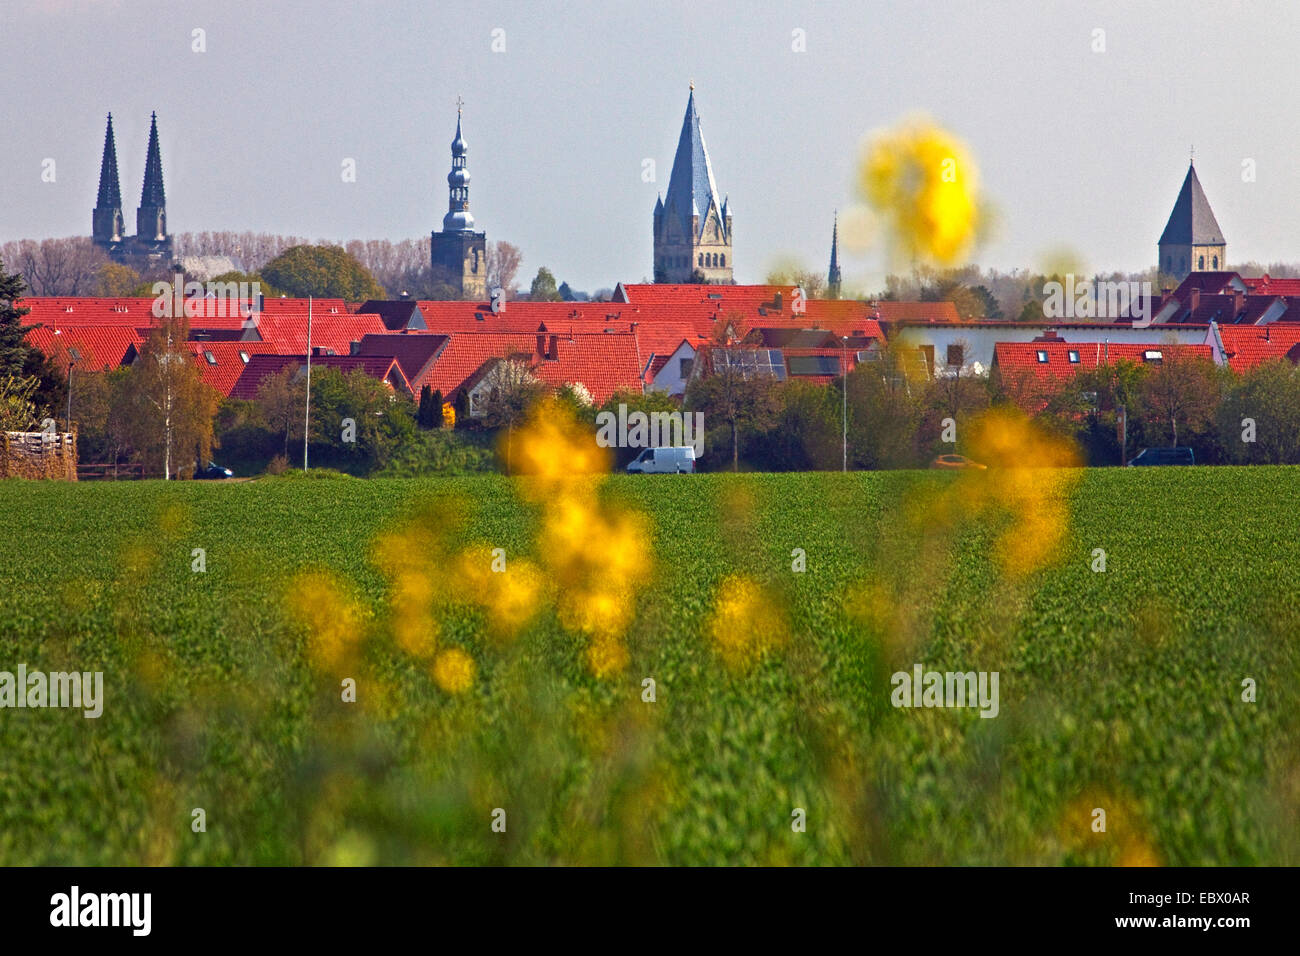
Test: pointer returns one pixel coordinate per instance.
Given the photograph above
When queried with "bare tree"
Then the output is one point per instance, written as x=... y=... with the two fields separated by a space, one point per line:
x=56 y=266
x=503 y=261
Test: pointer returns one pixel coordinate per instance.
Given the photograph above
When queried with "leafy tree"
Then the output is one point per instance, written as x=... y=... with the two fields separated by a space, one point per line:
x=1264 y=401
x=325 y=271
x=282 y=401
x=435 y=409
x=543 y=287
x=168 y=408
x=383 y=420
x=115 y=279
x=698 y=278
x=18 y=409
x=884 y=413
x=728 y=394
x=1182 y=391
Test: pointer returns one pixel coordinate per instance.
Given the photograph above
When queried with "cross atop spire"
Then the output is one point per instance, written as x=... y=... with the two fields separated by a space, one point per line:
x=460 y=103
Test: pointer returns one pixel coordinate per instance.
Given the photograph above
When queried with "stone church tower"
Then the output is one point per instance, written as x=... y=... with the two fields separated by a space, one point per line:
x=151 y=246
x=458 y=253
x=692 y=228
x=1192 y=240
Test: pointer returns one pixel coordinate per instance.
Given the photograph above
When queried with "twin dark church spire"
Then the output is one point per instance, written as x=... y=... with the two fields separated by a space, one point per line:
x=151 y=240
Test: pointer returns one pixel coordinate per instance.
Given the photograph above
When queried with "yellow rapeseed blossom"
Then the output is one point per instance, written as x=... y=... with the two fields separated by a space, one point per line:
x=318 y=601
x=922 y=183
x=453 y=671
x=745 y=622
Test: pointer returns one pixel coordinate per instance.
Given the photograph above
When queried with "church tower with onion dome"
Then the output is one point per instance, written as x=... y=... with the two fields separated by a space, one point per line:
x=458 y=253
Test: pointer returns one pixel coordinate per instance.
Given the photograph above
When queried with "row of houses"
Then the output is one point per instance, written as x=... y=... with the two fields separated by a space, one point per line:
x=649 y=336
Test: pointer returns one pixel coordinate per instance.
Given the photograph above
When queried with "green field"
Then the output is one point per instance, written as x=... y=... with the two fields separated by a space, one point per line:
x=1119 y=690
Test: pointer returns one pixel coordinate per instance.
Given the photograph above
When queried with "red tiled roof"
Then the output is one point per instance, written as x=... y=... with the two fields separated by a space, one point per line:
x=604 y=362
x=95 y=347
x=1245 y=346
x=227 y=363
x=286 y=329
x=1023 y=356
x=1265 y=285
x=414 y=351
x=260 y=367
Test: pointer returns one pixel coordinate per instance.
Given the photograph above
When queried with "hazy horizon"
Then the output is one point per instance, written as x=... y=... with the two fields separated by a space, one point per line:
x=1077 y=150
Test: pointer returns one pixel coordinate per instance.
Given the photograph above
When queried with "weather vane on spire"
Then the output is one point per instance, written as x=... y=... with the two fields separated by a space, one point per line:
x=1192 y=158
x=460 y=103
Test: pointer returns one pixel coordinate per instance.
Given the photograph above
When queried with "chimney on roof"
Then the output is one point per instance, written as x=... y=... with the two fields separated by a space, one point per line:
x=553 y=348
x=777 y=300
x=1196 y=298
x=1238 y=302
x=354 y=348
x=541 y=345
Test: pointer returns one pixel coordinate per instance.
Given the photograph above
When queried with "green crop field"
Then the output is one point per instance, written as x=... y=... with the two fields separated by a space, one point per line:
x=770 y=737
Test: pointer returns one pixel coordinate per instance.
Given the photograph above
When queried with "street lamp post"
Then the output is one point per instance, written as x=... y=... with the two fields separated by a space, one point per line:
x=844 y=370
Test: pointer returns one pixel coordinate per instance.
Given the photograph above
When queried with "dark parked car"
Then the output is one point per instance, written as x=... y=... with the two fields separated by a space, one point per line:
x=1164 y=456
x=212 y=472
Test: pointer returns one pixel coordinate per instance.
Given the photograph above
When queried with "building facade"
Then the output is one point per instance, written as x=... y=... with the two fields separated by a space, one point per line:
x=458 y=253
x=692 y=227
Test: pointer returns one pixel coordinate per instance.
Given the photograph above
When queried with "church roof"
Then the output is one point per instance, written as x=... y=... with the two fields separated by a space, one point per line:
x=691 y=188
x=1192 y=222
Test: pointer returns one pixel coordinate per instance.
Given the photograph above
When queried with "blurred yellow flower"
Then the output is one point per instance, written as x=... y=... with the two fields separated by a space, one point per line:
x=746 y=623
x=922 y=182
x=453 y=671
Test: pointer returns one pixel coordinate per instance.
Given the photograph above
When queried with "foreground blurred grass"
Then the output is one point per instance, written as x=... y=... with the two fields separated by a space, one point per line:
x=1119 y=690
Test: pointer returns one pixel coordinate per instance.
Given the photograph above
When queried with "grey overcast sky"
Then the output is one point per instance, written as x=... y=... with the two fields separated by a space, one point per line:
x=1077 y=150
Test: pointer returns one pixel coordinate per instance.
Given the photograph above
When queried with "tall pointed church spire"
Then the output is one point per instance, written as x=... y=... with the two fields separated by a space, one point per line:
x=833 y=277
x=106 y=220
x=153 y=194
x=151 y=217
x=692 y=229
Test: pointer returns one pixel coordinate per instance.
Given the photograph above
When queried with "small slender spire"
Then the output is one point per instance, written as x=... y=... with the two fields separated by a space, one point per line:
x=110 y=192
x=153 y=195
x=833 y=277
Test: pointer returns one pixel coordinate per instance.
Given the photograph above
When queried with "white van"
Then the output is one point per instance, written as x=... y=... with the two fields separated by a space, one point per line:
x=655 y=461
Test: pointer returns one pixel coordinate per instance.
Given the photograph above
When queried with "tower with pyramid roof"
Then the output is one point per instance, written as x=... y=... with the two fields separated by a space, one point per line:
x=458 y=253
x=692 y=225
x=1192 y=240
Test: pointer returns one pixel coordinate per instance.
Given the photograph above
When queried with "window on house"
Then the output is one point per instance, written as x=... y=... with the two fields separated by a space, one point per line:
x=1042 y=356
x=1200 y=263
x=1152 y=355
x=956 y=355
x=686 y=365
x=1074 y=357
x=243 y=357
x=212 y=359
